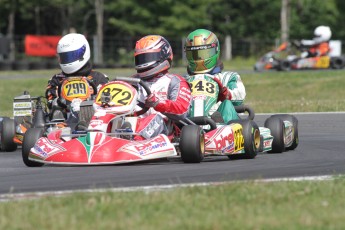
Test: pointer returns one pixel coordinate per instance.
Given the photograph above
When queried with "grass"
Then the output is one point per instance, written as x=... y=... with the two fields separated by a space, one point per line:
x=298 y=91
x=271 y=91
x=243 y=205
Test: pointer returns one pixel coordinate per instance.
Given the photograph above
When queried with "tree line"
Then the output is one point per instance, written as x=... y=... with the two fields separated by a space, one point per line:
x=242 y=19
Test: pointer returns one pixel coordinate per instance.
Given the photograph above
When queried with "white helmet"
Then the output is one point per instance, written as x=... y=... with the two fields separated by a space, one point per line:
x=74 y=52
x=322 y=34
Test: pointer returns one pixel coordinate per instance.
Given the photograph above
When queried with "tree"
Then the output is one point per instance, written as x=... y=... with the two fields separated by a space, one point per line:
x=99 y=8
x=284 y=15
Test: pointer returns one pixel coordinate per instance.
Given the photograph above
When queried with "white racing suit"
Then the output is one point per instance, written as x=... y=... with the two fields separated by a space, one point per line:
x=233 y=82
x=174 y=96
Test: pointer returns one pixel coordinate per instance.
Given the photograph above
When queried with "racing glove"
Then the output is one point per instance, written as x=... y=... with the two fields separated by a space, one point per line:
x=75 y=105
x=151 y=101
x=224 y=92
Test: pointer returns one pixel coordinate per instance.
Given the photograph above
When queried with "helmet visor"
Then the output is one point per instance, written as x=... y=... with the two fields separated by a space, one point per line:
x=201 y=52
x=144 y=58
x=72 y=56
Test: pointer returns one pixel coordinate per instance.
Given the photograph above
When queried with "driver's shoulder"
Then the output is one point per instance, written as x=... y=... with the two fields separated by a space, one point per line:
x=229 y=75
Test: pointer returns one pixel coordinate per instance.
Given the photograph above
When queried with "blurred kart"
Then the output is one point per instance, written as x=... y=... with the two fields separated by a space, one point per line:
x=278 y=59
x=238 y=137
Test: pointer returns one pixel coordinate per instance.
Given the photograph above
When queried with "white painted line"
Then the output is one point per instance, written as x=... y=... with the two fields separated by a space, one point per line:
x=36 y=195
x=303 y=113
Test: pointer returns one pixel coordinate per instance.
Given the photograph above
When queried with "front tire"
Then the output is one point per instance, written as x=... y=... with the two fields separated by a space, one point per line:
x=252 y=140
x=285 y=65
x=192 y=144
x=8 y=131
x=30 y=138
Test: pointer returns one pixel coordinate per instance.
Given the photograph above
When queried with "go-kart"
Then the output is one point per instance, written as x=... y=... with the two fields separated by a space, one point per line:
x=29 y=112
x=238 y=137
x=109 y=137
x=280 y=59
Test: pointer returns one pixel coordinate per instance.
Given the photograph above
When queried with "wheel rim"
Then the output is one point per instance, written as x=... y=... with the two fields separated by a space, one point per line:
x=257 y=140
x=202 y=143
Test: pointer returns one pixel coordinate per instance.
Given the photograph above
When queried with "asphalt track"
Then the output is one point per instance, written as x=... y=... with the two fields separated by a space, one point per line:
x=320 y=152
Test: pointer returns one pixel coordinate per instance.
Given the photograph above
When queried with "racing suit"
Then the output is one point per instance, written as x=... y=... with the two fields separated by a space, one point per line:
x=174 y=97
x=315 y=49
x=233 y=82
x=53 y=86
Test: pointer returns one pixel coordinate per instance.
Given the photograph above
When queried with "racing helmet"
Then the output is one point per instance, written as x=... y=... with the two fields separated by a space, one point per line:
x=202 y=51
x=73 y=52
x=153 y=55
x=322 y=34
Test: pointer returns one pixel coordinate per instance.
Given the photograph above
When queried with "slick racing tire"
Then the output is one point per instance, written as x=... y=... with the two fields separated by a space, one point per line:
x=86 y=112
x=337 y=63
x=192 y=144
x=284 y=65
x=30 y=138
x=252 y=140
x=8 y=131
x=294 y=121
x=276 y=125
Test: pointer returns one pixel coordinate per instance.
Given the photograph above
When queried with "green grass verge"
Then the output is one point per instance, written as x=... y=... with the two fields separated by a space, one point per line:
x=276 y=92
x=244 y=205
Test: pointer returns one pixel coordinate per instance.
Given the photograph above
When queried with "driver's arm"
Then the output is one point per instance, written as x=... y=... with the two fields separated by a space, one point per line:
x=52 y=88
x=179 y=99
x=234 y=83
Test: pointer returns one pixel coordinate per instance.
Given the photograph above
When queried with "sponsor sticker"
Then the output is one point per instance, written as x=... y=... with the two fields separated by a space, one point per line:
x=145 y=148
x=22 y=105
x=44 y=147
x=96 y=123
x=22 y=113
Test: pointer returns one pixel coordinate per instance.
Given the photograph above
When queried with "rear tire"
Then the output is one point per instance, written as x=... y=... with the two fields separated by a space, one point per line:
x=276 y=125
x=30 y=138
x=337 y=63
x=294 y=121
x=8 y=131
x=192 y=144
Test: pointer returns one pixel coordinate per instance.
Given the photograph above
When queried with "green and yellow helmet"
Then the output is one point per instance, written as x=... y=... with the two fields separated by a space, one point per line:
x=202 y=51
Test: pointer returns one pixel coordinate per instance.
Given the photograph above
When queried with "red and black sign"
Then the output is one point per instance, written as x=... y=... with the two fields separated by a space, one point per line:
x=43 y=46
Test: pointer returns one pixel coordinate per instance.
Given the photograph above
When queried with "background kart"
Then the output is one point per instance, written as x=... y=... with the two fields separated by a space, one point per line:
x=279 y=59
x=239 y=137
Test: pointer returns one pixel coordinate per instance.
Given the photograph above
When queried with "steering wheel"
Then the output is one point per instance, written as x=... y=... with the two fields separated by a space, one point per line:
x=145 y=86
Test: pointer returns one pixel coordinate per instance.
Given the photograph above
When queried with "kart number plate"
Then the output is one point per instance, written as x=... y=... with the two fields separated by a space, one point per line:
x=203 y=87
x=75 y=88
x=323 y=62
x=238 y=137
x=121 y=94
